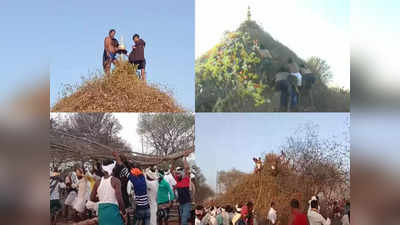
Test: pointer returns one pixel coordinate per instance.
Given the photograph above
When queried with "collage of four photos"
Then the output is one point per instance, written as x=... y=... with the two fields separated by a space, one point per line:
x=201 y=112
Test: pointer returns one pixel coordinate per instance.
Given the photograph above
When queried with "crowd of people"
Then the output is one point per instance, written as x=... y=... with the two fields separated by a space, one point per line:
x=294 y=81
x=229 y=215
x=136 y=56
x=245 y=215
x=116 y=192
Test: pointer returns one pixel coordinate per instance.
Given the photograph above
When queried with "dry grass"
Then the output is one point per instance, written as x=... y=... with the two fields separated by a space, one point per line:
x=121 y=91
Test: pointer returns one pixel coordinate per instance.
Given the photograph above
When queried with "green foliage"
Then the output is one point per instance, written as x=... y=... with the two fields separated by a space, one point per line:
x=321 y=67
x=226 y=78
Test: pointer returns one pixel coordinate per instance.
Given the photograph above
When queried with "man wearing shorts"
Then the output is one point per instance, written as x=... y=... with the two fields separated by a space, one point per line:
x=136 y=57
x=109 y=51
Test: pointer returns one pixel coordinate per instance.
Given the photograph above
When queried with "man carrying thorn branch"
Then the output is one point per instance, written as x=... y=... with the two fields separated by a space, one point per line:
x=182 y=178
x=107 y=192
x=138 y=180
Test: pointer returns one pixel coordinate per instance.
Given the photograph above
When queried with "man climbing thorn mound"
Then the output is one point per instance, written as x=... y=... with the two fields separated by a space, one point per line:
x=306 y=90
x=258 y=165
x=295 y=80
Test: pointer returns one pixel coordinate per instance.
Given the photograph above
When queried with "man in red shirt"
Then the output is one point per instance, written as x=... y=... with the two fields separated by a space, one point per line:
x=182 y=178
x=297 y=217
x=247 y=215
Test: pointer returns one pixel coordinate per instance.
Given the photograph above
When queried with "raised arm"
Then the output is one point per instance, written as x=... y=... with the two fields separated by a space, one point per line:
x=325 y=221
x=117 y=158
x=124 y=171
x=172 y=169
x=117 y=186
x=186 y=165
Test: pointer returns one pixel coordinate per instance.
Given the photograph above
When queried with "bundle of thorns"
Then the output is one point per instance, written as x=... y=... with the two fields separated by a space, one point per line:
x=265 y=187
x=67 y=147
x=120 y=91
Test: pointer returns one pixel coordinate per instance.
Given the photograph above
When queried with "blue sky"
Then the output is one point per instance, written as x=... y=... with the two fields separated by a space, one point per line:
x=230 y=140
x=77 y=29
x=37 y=33
x=68 y=35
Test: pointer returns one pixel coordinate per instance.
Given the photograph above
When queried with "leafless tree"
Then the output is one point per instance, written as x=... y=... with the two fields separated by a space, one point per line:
x=167 y=133
x=100 y=127
x=323 y=162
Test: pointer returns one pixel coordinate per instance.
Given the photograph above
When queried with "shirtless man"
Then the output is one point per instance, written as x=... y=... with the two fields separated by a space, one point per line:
x=107 y=192
x=109 y=51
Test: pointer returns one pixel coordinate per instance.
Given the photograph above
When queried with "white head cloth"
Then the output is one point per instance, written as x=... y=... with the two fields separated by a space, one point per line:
x=152 y=175
x=109 y=168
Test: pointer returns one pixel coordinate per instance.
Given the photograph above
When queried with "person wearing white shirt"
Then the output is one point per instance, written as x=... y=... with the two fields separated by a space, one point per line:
x=170 y=179
x=309 y=204
x=71 y=188
x=314 y=217
x=236 y=215
x=272 y=214
x=152 y=189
